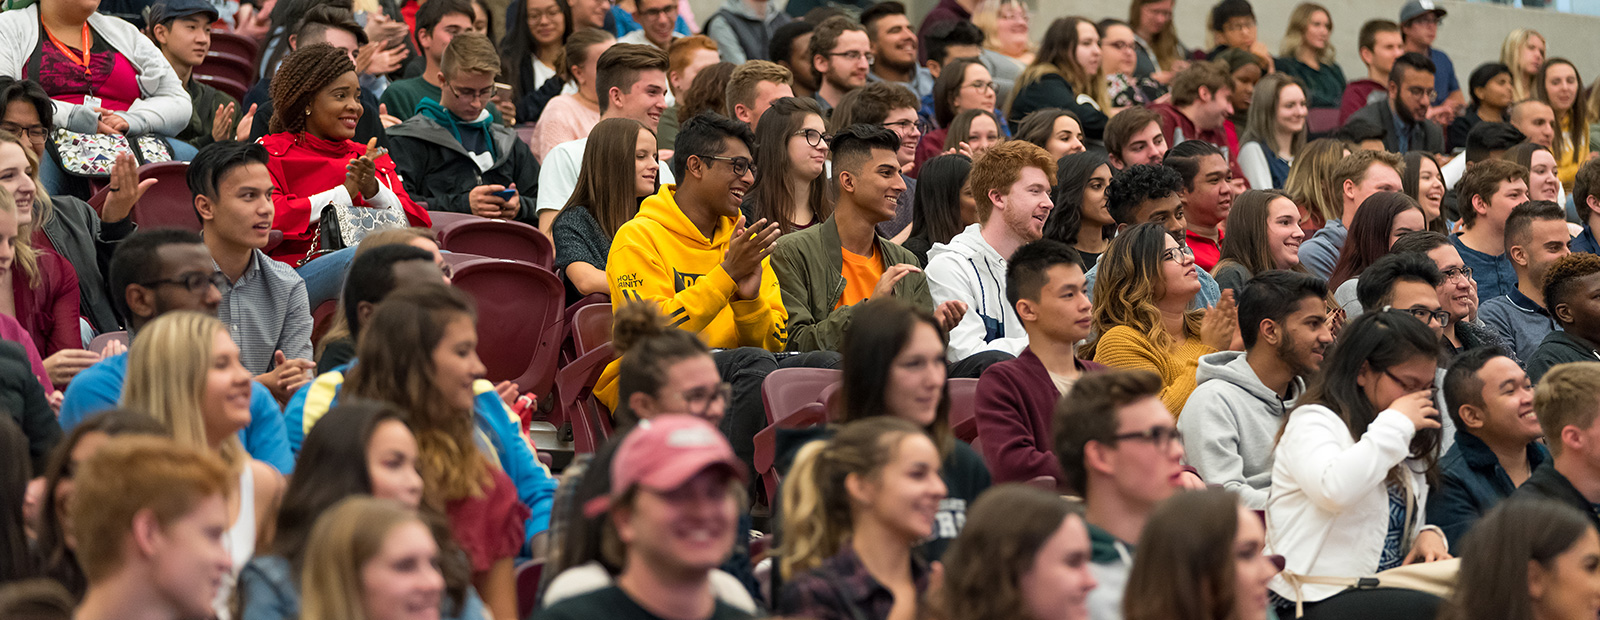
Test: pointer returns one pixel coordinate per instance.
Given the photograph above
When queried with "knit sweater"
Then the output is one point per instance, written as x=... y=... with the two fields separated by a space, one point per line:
x=1124 y=348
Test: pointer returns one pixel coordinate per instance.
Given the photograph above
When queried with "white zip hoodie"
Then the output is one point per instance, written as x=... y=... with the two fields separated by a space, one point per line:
x=969 y=270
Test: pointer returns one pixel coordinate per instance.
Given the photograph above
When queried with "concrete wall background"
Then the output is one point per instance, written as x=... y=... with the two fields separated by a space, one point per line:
x=1471 y=34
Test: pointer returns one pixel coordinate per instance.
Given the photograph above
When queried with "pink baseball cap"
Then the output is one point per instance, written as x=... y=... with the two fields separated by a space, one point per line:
x=663 y=454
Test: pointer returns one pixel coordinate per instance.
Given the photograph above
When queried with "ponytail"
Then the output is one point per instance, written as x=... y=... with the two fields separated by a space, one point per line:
x=817 y=513
x=648 y=347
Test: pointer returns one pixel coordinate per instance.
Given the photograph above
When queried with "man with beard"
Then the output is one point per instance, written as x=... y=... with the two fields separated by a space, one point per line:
x=1231 y=421
x=894 y=48
x=840 y=55
x=1536 y=235
x=1403 y=116
x=1490 y=400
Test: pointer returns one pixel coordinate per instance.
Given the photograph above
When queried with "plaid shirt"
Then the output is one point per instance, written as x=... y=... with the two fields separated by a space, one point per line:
x=842 y=589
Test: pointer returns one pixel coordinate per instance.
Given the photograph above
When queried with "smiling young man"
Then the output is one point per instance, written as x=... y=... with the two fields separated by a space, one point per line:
x=1199 y=106
x=154 y=272
x=840 y=54
x=657 y=19
x=825 y=270
x=1536 y=236
x=150 y=518
x=1490 y=400
x=1534 y=119
x=1408 y=282
x=753 y=87
x=437 y=25
x=264 y=301
x=1016 y=398
x=1567 y=404
x=632 y=83
x=453 y=155
x=1379 y=44
x=895 y=107
x=1358 y=176
x=1121 y=452
x=1488 y=192
x=1207 y=197
x=1011 y=183
x=1403 y=115
x=1230 y=423
x=894 y=48
x=1572 y=293
x=1133 y=137
x=1458 y=296
x=1154 y=194
x=182 y=30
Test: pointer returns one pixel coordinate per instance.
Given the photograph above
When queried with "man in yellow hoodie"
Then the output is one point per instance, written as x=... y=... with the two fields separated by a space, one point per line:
x=690 y=252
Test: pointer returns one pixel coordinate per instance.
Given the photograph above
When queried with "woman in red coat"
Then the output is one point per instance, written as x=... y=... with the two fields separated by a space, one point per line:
x=316 y=100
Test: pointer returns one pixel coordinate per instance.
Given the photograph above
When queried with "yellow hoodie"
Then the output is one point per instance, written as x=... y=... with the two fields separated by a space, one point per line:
x=660 y=256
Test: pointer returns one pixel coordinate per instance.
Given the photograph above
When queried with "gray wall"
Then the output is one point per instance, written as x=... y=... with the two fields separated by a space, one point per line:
x=1471 y=34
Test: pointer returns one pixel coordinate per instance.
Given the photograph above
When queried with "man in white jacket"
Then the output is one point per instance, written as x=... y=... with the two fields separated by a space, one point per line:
x=1231 y=422
x=1011 y=184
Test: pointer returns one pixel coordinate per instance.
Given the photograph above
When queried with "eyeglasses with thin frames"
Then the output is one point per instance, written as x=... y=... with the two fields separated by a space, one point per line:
x=1457 y=272
x=194 y=282
x=471 y=95
x=855 y=55
x=34 y=132
x=904 y=127
x=740 y=165
x=1408 y=387
x=1179 y=255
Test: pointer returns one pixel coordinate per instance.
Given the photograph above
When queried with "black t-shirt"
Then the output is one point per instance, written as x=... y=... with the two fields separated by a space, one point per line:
x=614 y=604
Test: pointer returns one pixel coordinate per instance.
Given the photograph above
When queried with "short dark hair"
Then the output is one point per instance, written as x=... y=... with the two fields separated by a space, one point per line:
x=1274 y=295
x=12 y=89
x=432 y=13
x=1370 y=31
x=1185 y=158
x=138 y=259
x=1121 y=127
x=1481 y=77
x=1558 y=280
x=619 y=67
x=1027 y=266
x=1483 y=180
x=871 y=104
x=322 y=17
x=703 y=135
x=1462 y=386
x=1137 y=184
x=371 y=278
x=1230 y=9
x=1586 y=184
x=827 y=34
x=1377 y=283
x=1410 y=61
x=1419 y=241
x=1485 y=138
x=216 y=160
x=1090 y=412
x=1519 y=225
x=1358 y=130
x=856 y=142
x=943 y=35
x=781 y=46
x=879 y=11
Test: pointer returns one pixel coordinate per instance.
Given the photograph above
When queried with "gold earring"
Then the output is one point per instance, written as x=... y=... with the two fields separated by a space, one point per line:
x=308 y=111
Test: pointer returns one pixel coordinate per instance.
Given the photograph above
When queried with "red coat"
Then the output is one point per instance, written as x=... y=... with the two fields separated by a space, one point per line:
x=1176 y=127
x=50 y=311
x=303 y=165
x=1015 y=404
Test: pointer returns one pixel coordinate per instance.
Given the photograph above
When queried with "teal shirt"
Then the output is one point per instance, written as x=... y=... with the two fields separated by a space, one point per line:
x=1324 y=85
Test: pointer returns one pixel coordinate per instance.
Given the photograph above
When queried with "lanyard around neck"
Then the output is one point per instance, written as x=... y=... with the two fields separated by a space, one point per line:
x=76 y=58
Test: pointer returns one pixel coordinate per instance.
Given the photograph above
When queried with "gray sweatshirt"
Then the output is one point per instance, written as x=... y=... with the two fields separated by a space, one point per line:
x=1230 y=425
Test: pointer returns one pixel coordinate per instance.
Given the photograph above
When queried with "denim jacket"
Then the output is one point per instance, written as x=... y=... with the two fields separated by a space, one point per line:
x=1471 y=481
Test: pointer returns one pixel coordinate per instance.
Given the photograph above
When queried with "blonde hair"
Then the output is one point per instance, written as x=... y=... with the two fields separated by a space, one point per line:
x=168 y=366
x=987 y=19
x=43 y=210
x=1295 y=35
x=1310 y=183
x=344 y=539
x=818 y=518
x=129 y=475
x=1568 y=395
x=1511 y=55
x=469 y=52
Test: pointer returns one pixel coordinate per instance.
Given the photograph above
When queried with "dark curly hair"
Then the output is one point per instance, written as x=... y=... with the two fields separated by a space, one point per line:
x=1558 y=281
x=1136 y=184
x=304 y=72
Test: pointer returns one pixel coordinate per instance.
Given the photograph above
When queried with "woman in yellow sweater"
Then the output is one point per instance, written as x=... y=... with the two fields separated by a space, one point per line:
x=1142 y=295
x=1559 y=86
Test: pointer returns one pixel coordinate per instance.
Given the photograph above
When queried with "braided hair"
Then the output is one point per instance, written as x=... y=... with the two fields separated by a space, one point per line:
x=306 y=71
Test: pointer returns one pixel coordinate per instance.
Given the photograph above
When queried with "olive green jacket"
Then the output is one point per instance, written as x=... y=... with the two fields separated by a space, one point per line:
x=810 y=269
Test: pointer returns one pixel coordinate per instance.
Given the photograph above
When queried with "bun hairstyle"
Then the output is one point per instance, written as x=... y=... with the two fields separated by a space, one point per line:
x=648 y=346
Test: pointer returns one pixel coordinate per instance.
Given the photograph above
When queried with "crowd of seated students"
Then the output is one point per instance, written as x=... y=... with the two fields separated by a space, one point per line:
x=1105 y=266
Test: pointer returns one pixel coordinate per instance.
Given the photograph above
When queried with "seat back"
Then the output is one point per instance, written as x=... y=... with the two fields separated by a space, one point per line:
x=235 y=44
x=766 y=442
x=229 y=86
x=575 y=401
x=102 y=340
x=519 y=320
x=1322 y=120
x=322 y=320
x=963 y=405
x=500 y=239
x=228 y=65
x=591 y=326
x=527 y=579
x=167 y=204
x=786 y=390
x=442 y=219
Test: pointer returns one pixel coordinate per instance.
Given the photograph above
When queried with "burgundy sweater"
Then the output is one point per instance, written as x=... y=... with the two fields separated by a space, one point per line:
x=1015 y=403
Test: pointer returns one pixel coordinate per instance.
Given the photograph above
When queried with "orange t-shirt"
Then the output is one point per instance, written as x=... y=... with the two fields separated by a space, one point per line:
x=861 y=274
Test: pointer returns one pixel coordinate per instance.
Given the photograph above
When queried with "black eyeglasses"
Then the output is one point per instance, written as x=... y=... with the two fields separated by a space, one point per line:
x=194 y=281
x=1158 y=436
x=35 y=132
x=1424 y=314
x=701 y=399
x=813 y=137
x=740 y=165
